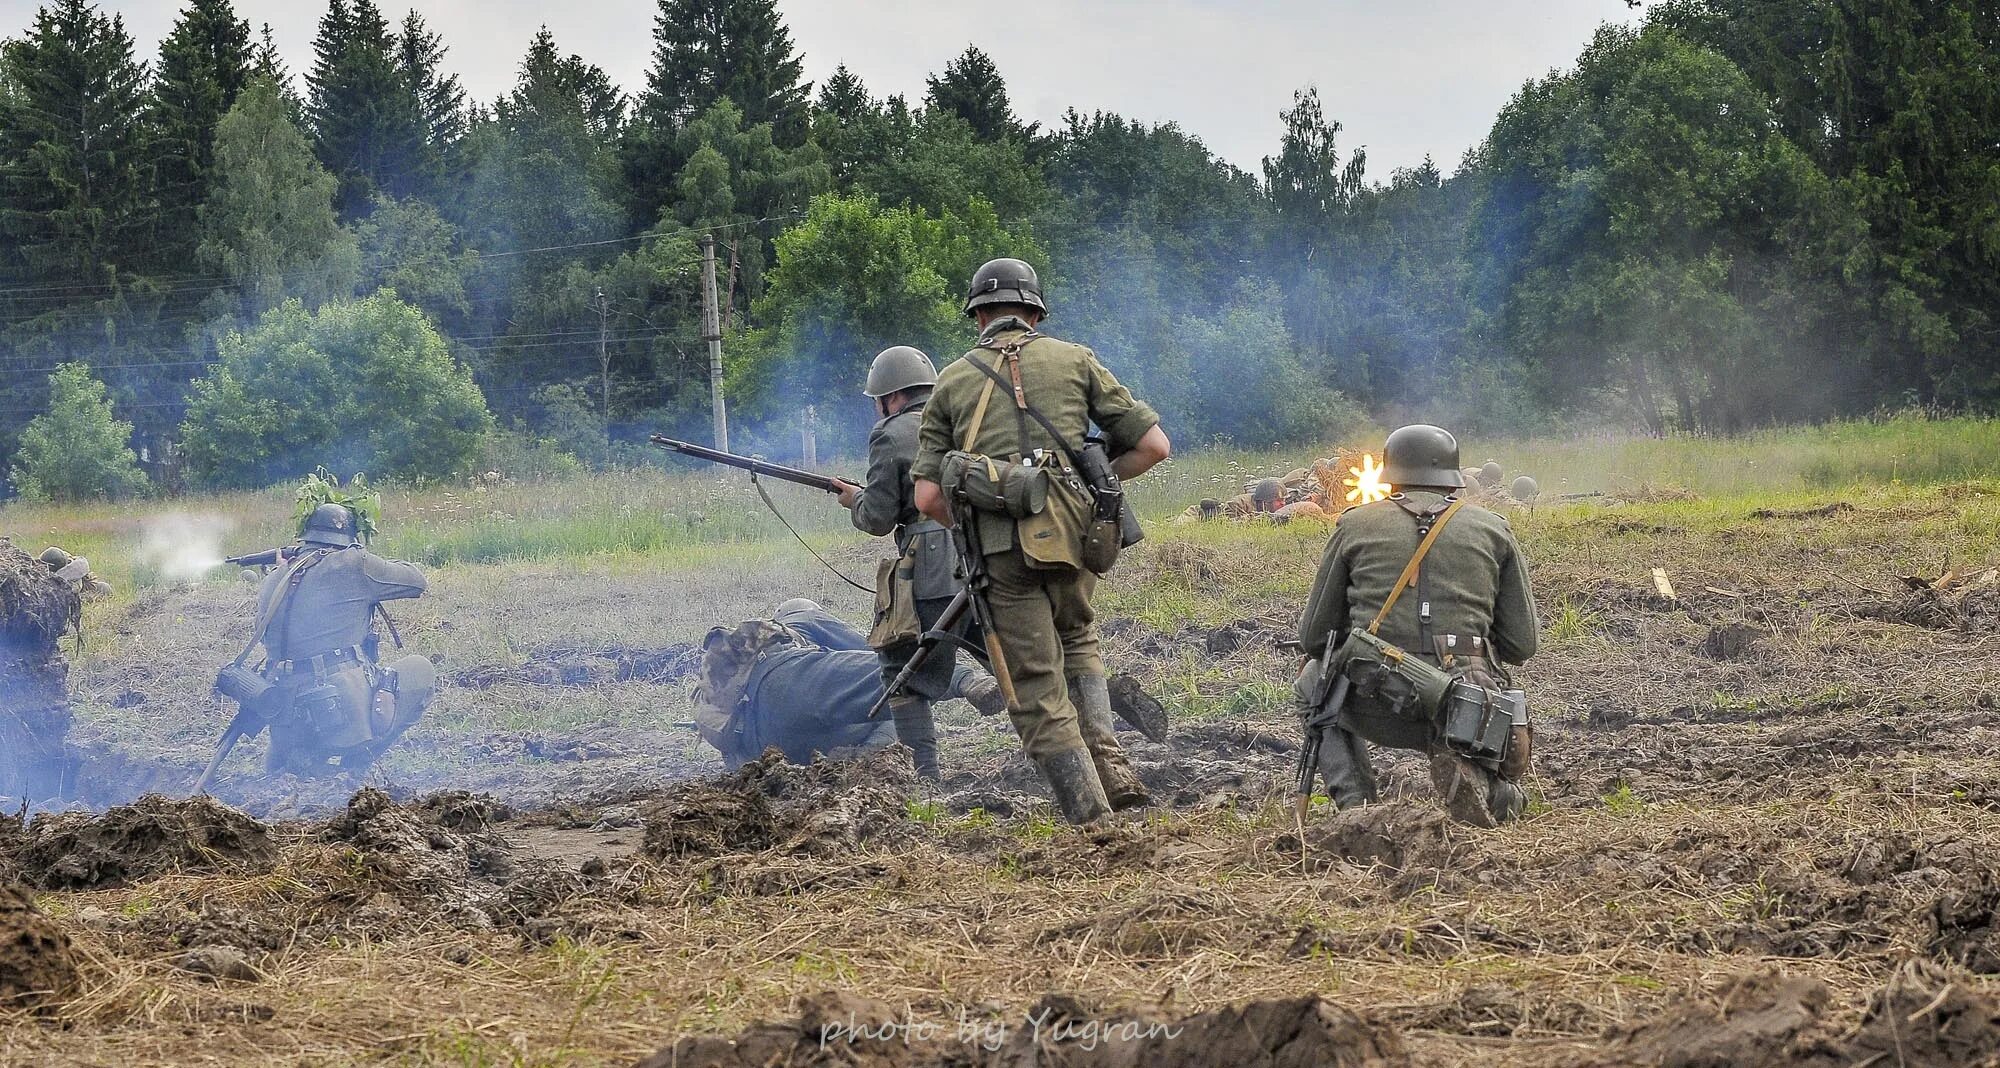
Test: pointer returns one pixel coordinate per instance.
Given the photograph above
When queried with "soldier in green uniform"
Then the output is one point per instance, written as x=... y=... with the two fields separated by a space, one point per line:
x=1468 y=609
x=1039 y=592
x=922 y=574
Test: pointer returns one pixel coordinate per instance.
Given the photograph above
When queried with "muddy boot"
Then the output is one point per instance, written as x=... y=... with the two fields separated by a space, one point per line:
x=1073 y=781
x=1508 y=802
x=1092 y=696
x=982 y=691
x=1344 y=767
x=1464 y=787
x=915 y=728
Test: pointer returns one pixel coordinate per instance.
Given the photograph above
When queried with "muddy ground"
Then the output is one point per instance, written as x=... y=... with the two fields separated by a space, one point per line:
x=1764 y=832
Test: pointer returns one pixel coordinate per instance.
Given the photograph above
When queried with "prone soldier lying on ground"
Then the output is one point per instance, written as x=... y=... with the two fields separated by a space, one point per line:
x=803 y=682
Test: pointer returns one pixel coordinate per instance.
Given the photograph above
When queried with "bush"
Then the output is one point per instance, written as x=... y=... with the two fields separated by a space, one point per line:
x=77 y=450
x=363 y=385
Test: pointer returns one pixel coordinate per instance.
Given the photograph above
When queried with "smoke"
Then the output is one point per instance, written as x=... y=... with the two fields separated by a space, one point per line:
x=182 y=548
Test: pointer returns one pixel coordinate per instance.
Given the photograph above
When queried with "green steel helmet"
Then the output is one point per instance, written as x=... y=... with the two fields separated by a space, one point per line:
x=1266 y=494
x=330 y=524
x=1526 y=488
x=899 y=368
x=1421 y=455
x=1005 y=282
x=56 y=556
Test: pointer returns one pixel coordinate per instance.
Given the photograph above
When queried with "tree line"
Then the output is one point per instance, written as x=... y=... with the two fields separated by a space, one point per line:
x=1736 y=213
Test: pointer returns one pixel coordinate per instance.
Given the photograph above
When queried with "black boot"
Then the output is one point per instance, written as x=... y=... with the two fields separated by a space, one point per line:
x=1073 y=781
x=917 y=729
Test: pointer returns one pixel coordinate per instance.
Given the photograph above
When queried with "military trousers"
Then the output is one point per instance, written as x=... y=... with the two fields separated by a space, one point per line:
x=1048 y=633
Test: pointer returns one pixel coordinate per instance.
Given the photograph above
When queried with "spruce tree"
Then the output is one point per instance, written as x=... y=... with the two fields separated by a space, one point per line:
x=204 y=63
x=439 y=99
x=73 y=209
x=705 y=51
x=366 y=125
x=972 y=89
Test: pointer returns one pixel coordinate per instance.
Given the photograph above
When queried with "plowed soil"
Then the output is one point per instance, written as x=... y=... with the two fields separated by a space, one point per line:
x=1763 y=832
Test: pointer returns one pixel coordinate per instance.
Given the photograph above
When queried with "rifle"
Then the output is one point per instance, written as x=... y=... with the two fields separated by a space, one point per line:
x=946 y=630
x=267 y=558
x=972 y=563
x=1316 y=723
x=244 y=724
x=826 y=483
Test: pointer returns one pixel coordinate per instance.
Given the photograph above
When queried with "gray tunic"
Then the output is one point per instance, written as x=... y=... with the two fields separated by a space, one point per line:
x=887 y=504
x=334 y=603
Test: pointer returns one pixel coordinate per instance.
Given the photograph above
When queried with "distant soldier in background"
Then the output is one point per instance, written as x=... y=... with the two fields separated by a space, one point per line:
x=324 y=693
x=1037 y=587
x=803 y=682
x=75 y=569
x=1443 y=584
x=913 y=589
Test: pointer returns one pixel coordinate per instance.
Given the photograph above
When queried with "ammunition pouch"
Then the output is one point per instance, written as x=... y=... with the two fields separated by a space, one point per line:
x=1016 y=490
x=896 y=619
x=1113 y=527
x=241 y=685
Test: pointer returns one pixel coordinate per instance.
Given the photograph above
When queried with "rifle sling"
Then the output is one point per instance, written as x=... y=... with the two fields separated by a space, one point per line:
x=1410 y=570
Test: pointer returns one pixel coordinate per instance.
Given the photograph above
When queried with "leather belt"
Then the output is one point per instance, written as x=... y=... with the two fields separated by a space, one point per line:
x=319 y=664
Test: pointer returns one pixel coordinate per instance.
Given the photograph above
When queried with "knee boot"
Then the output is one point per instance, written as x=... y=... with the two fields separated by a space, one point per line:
x=915 y=728
x=1073 y=781
x=1092 y=696
x=1465 y=788
x=1343 y=765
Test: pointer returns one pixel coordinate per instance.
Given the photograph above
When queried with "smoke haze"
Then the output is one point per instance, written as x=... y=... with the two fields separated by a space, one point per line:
x=181 y=547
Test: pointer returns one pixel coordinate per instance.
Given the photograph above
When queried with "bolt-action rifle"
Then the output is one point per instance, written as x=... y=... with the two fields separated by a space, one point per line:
x=971 y=597
x=267 y=558
x=825 y=483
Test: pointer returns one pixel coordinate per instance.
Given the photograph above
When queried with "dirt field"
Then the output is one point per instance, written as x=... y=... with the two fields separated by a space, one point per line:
x=1763 y=833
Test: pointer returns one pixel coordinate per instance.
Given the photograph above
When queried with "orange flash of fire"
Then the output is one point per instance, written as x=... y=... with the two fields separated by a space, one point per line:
x=1366 y=486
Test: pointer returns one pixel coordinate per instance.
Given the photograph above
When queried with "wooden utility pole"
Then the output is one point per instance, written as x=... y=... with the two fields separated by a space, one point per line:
x=711 y=331
x=604 y=353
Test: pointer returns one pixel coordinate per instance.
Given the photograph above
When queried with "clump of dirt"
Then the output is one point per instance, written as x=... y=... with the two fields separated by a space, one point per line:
x=152 y=836
x=463 y=810
x=1922 y=1015
x=37 y=966
x=842 y=1029
x=1731 y=641
x=1415 y=841
x=418 y=864
x=826 y=807
x=36 y=609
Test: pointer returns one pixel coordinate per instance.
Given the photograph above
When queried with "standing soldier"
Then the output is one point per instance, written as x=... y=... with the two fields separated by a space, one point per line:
x=1442 y=581
x=1032 y=547
x=914 y=589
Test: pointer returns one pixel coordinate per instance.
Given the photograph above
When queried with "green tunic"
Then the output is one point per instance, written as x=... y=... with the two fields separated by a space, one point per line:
x=1472 y=584
x=1042 y=615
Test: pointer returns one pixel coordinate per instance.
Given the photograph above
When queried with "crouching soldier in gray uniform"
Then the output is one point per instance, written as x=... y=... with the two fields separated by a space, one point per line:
x=322 y=689
x=804 y=682
x=1419 y=601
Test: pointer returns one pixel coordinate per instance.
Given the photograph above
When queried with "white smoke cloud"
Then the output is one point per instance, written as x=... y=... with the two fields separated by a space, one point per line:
x=183 y=547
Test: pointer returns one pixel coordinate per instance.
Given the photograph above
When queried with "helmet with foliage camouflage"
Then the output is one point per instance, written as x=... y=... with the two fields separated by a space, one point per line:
x=330 y=524
x=898 y=368
x=1005 y=282
x=1421 y=455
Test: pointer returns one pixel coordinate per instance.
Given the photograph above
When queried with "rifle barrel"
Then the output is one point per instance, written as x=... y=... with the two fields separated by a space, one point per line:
x=755 y=466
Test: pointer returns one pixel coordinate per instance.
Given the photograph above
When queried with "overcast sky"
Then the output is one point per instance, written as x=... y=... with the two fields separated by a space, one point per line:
x=1406 y=79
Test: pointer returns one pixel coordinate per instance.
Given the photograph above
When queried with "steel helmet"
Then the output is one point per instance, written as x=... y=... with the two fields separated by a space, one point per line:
x=1421 y=455
x=1005 y=282
x=330 y=524
x=1266 y=494
x=1491 y=474
x=1526 y=488
x=898 y=368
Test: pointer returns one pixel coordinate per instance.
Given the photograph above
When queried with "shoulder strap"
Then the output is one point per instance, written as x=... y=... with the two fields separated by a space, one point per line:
x=1022 y=407
x=978 y=416
x=279 y=601
x=1410 y=570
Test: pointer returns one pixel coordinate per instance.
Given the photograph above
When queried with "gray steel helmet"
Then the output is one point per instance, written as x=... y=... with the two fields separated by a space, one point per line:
x=1005 y=282
x=796 y=604
x=1266 y=491
x=330 y=524
x=1491 y=474
x=1421 y=455
x=1526 y=488
x=900 y=367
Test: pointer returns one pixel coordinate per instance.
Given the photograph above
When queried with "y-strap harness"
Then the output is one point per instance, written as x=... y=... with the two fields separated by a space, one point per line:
x=1430 y=523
